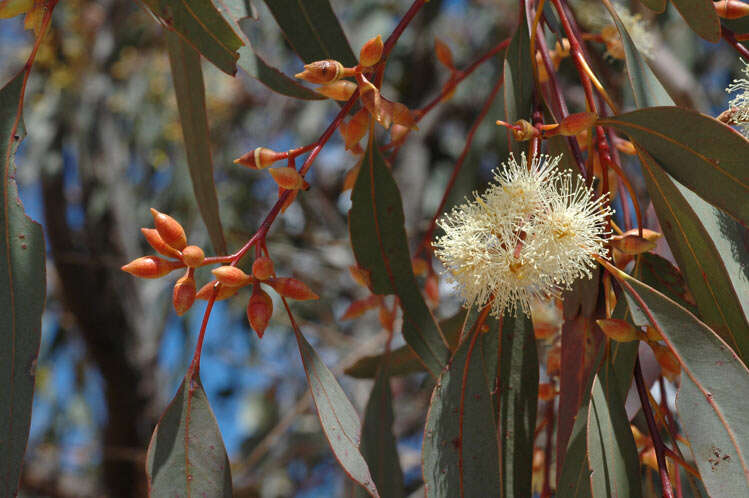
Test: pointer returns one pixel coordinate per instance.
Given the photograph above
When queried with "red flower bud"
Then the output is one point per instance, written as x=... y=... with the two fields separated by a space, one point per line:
x=231 y=276
x=371 y=52
x=444 y=54
x=339 y=90
x=193 y=256
x=259 y=158
x=184 y=294
x=731 y=9
x=292 y=288
x=320 y=72
x=262 y=268
x=287 y=177
x=224 y=291
x=259 y=310
x=170 y=230
x=151 y=267
x=154 y=240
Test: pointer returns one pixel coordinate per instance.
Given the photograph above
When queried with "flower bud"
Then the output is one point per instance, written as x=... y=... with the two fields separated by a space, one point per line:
x=546 y=391
x=338 y=90
x=183 y=295
x=625 y=147
x=576 y=123
x=231 y=276
x=371 y=52
x=193 y=256
x=360 y=276
x=262 y=268
x=287 y=177
x=360 y=306
x=731 y=9
x=321 y=72
x=259 y=158
x=224 y=291
x=670 y=366
x=355 y=129
x=647 y=234
x=154 y=240
x=292 y=288
x=632 y=244
x=259 y=310
x=151 y=267
x=444 y=54
x=554 y=361
x=523 y=131
x=619 y=330
x=170 y=230
x=289 y=200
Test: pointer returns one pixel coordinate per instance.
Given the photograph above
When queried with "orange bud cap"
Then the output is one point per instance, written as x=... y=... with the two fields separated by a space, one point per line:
x=292 y=288
x=626 y=147
x=321 y=72
x=287 y=177
x=170 y=230
x=151 y=267
x=632 y=244
x=576 y=123
x=224 y=291
x=193 y=256
x=259 y=158
x=444 y=54
x=619 y=330
x=338 y=90
x=231 y=276
x=154 y=240
x=371 y=52
x=259 y=311
x=546 y=391
x=183 y=295
x=731 y=9
x=262 y=268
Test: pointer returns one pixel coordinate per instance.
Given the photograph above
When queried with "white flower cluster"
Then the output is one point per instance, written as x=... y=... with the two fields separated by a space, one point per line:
x=739 y=104
x=530 y=235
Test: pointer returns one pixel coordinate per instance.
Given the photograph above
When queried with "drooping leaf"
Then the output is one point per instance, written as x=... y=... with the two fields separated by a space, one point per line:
x=518 y=391
x=714 y=390
x=186 y=456
x=700 y=152
x=612 y=453
x=518 y=79
x=378 y=444
x=22 y=295
x=378 y=238
x=312 y=29
x=661 y=275
x=574 y=477
x=190 y=90
x=706 y=243
x=201 y=25
x=459 y=453
x=701 y=17
x=338 y=418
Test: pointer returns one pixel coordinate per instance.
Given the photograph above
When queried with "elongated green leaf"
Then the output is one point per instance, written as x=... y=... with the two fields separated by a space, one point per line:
x=22 y=295
x=459 y=454
x=186 y=456
x=706 y=243
x=236 y=11
x=201 y=25
x=612 y=454
x=518 y=391
x=518 y=79
x=312 y=29
x=574 y=477
x=664 y=277
x=190 y=90
x=378 y=443
x=701 y=17
x=700 y=152
x=338 y=418
x=378 y=238
x=712 y=400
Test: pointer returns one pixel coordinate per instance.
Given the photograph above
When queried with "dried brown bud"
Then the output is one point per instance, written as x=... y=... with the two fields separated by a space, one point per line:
x=444 y=54
x=292 y=288
x=262 y=268
x=339 y=90
x=731 y=9
x=151 y=267
x=371 y=52
x=183 y=295
x=287 y=177
x=619 y=330
x=170 y=230
x=576 y=123
x=224 y=291
x=259 y=158
x=231 y=276
x=154 y=240
x=321 y=72
x=193 y=256
x=259 y=310
x=378 y=107
x=524 y=131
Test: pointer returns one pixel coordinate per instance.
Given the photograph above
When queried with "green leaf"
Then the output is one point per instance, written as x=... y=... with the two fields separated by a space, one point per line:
x=186 y=456
x=338 y=418
x=201 y=25
x=518 y=391
x=236 y=11
x=612 y=453
x=700 y=152
x=459 y=453
x=701 y=17
x=378 y=444
x=664 y=277
x=378 y=238
x=190 y=90
x=706 y=244
x=574 y=476
x=22 y=295
x=518 y=79
x=712 y=399
x=312 y=29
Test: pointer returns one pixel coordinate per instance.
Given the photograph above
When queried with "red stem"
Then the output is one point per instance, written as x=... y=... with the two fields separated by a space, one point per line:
x=546 y=490
x=393 y=39
x=730 y=37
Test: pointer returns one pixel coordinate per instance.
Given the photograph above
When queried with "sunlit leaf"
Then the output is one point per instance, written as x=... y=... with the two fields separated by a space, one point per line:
x=701 y=17
x=518 y=79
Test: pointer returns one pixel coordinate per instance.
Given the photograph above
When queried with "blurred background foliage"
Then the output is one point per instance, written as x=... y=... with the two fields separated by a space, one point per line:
x=105 y=144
